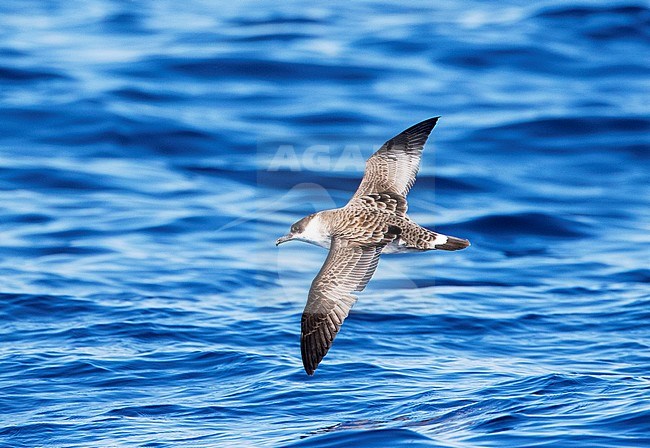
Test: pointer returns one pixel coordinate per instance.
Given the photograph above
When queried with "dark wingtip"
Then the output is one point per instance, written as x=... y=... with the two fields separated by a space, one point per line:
x=413 y=138
x=419 y=133
x=425 y=125
x=309 y=361
x=307 y=364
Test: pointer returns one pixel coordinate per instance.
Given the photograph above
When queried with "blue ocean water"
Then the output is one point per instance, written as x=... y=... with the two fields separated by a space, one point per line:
x=152 y=152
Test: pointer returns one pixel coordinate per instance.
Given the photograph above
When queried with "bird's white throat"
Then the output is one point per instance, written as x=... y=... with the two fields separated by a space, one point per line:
x=316 y=232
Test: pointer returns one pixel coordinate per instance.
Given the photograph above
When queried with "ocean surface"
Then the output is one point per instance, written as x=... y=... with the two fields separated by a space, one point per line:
x=152 y=152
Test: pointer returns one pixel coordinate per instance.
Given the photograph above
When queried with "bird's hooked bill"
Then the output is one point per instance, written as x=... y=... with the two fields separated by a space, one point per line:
x=284 y=239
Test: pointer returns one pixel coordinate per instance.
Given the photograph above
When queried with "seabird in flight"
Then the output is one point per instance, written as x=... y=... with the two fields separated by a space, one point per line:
x=373 y=222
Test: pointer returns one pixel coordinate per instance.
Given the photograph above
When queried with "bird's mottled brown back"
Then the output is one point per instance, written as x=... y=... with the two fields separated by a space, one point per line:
x=368 y=220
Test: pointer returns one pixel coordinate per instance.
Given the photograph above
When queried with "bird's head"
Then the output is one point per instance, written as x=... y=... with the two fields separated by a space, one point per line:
x=303 y=230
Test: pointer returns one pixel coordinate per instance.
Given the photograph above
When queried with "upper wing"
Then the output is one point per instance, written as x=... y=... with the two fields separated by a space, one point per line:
x=394 y=166
x=386 y=202
x=347 y=268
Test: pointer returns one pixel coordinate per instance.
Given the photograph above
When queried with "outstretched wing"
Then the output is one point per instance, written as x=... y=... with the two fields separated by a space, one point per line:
x=347 y=268
x=395 y=165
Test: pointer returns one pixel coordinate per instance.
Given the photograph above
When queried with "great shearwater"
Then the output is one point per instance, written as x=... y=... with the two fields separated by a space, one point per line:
x=372 y=223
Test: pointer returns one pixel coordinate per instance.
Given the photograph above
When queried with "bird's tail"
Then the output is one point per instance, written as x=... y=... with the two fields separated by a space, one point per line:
x=445 y=242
